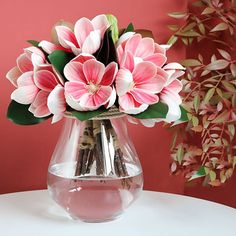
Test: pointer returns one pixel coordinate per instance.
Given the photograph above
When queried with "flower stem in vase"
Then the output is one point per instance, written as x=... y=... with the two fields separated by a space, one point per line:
x=85 y=158
x=119 y=162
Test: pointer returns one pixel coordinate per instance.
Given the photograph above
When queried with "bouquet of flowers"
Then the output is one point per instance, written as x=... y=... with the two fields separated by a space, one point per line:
x=92 y=68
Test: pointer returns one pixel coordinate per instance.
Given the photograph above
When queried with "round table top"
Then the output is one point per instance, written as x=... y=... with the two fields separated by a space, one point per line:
x=154 y=213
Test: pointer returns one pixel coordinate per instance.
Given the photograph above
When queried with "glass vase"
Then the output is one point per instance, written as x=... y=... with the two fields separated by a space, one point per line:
x=95 y=173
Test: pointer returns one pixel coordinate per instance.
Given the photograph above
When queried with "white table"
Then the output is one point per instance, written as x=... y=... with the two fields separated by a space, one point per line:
x=33 y=213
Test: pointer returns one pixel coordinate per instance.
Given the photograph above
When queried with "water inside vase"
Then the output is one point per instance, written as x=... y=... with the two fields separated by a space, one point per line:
x=93 y=198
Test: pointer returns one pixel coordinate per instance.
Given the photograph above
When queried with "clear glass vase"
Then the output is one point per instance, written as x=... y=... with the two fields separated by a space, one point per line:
x=95 y=173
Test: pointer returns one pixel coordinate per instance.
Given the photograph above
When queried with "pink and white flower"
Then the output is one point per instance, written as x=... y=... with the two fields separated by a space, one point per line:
x=86 y=37
x=30 y=60
x=137 y=86
x=142 y=49
x=90 y=84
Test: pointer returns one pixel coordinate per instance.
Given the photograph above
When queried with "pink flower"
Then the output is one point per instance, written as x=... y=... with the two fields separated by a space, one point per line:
x=137 y=85
x=90 y=84
x=30 y=60
x=142 y=49
x=86 y=37
x=170 y=92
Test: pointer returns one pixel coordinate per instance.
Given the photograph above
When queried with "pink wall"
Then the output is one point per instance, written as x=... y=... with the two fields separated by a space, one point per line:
x=26 y=151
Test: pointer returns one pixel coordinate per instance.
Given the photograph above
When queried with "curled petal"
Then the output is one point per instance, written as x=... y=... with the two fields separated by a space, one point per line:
x=49 y=47
x=101 y=23
x=92 y=42
x=73 y=103
x=124 y=81
x=130 y=106
x=124 y=37
x=82 y=29
x=112 y=99
x=56 y=103
x=66 y=35
x=24 y=63
x=173 y=66
x=13 y=75
x=39 y=106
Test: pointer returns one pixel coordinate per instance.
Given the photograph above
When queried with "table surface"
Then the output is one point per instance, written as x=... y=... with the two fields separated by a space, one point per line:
x=34 y=213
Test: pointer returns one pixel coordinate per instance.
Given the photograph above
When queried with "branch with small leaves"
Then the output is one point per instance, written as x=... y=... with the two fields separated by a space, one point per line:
x=209 y=93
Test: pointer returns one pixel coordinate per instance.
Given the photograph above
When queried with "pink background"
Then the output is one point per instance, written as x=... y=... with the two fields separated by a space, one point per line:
x=25 y=151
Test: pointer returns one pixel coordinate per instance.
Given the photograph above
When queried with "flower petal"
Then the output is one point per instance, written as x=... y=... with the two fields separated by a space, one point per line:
x=73 y=103
x=173 y=66
x=45 y=80
x=124 y=81
x=92 y=42
x=73 y=71
x=130 y=106
x=56 y=101
x=110 y=74
x=24 y=63
x=174 y=112
x=102 y=96
x=112 y=99
x=101 y=23
x=157 y=58
x=49 y=47
x=83 y=57
x=124 y=37
x=93 y=71
x=26 y=91
x=132 y=43
x=144 y=96
x=175 y=86
x=13 y=74
x=66 y=35
x=127 y=61
x=82 y=29
x=145 y=48
x=143 y=72
x=39 y=107
x=75 y=89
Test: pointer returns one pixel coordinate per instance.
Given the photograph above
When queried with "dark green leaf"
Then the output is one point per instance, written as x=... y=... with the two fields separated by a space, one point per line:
x=184 y=117
x=59 y=59
x=200 y=173
x=130 y=28
x=33 y=42
x=107 y=51
x=158 y=110
x=20 y=115
x=86 y=115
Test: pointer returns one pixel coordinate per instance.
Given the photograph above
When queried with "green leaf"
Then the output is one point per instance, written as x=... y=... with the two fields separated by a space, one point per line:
x=200 y=173
x=220 y=27
x=129 y=28
x=59 y=59
x=190 y=33
x=157 y=110
x=177 y=15
x=180 y=154
x=113 y=27
x=173 y=39
x=107 y=51
x=20 y=115
x=86 y=115
x=209 y=95
x=191 y=62
x=196 y=102
x=33 y=42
